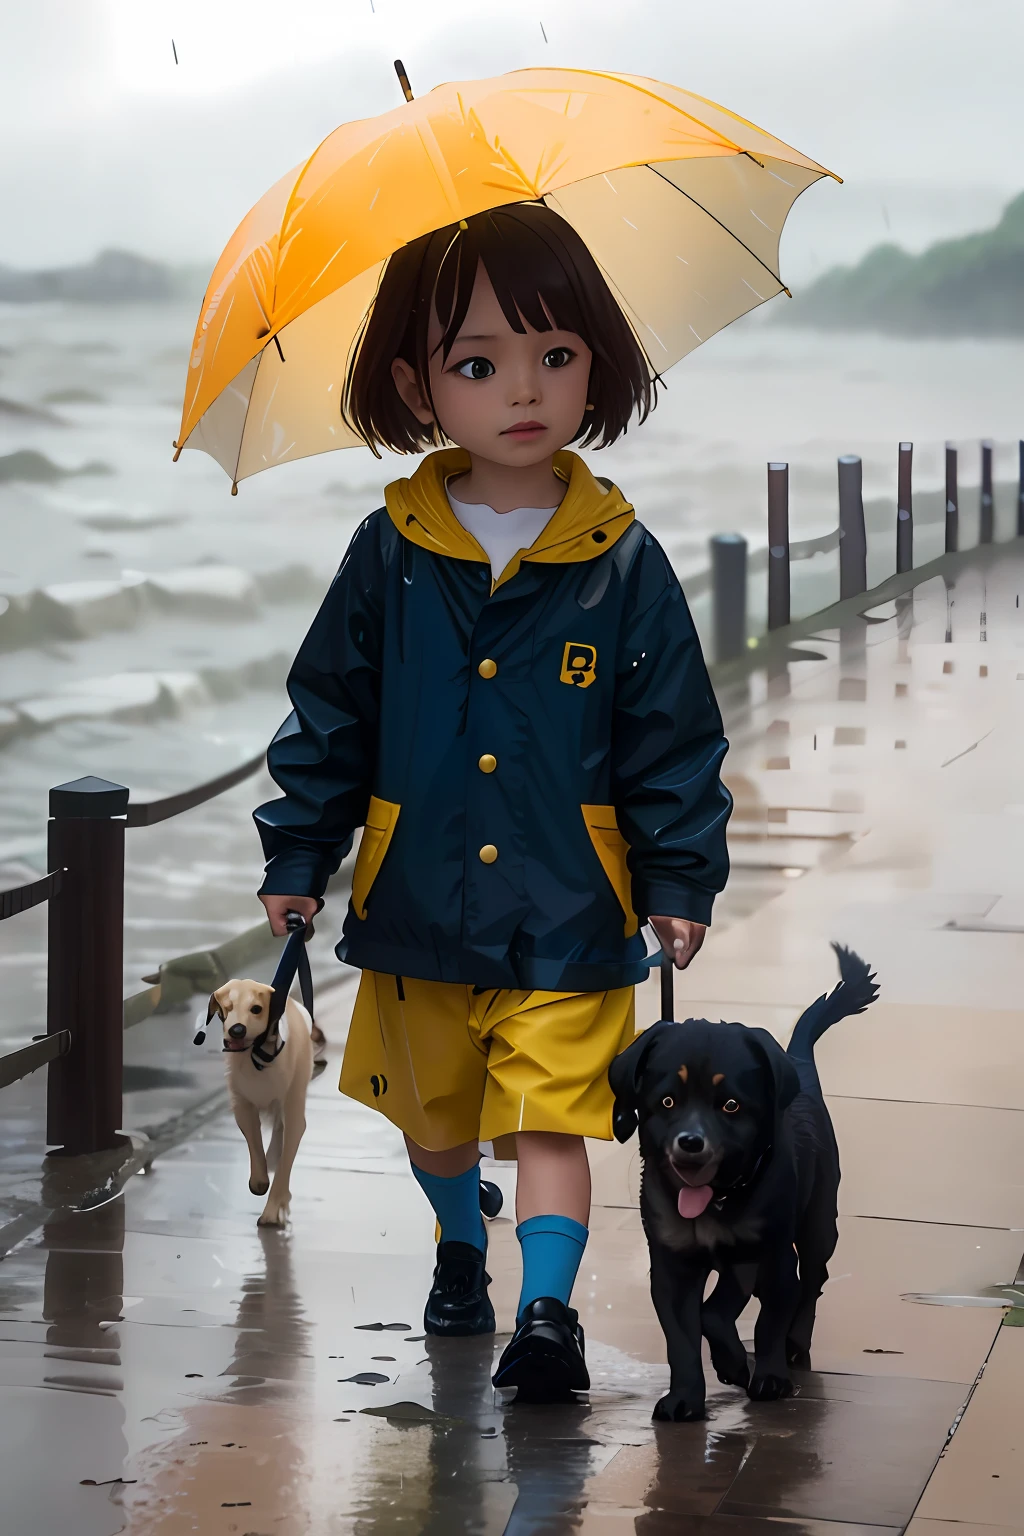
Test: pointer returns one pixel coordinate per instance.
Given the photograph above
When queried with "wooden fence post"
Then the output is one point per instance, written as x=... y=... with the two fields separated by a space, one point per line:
x=905 y=511
x=952 y=501
x=729 y=594
x=778 y=545
x=853 y=544
x=986 y=511
x=85 y=985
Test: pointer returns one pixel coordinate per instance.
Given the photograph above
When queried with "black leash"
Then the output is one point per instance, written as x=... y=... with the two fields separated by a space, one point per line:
x=294 y=957
x=668 y=989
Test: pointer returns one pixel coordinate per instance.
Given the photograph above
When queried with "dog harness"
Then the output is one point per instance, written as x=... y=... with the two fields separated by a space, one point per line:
x=741 y=1185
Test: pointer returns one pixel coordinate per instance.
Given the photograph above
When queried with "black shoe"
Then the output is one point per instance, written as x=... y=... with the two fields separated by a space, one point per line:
x=491 y=1199
x=458 y=1305
x=544 y=1357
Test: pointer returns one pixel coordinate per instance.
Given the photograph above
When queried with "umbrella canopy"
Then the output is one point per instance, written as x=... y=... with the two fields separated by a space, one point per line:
x=681 y=203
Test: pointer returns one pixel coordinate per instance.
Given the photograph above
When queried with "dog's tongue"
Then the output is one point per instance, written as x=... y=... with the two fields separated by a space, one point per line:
x=692 y=1202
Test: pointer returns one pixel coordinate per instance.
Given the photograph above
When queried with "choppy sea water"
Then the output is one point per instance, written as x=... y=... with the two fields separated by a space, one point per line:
x=150 y=616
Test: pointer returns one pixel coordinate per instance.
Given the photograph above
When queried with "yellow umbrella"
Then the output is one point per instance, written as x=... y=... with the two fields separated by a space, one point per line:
x=681 y=203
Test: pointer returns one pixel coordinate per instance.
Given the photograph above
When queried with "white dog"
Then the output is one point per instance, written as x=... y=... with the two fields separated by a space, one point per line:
x=277 y=1086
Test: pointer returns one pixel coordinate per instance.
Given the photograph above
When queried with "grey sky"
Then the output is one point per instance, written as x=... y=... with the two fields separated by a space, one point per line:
x=105 y=141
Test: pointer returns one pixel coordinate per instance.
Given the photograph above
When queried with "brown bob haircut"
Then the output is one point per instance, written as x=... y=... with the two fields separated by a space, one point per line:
x=538 y=266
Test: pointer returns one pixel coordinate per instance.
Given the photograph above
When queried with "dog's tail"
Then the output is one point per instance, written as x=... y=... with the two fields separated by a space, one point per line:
x=856 y=991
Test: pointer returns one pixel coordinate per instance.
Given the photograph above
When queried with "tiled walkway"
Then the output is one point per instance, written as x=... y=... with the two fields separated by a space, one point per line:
x=163 y=1340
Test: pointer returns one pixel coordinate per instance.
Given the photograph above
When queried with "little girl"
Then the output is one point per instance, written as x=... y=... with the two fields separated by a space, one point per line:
x=505 y=690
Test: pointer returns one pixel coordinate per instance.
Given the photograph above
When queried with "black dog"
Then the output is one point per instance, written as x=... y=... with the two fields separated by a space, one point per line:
x=740 y=1176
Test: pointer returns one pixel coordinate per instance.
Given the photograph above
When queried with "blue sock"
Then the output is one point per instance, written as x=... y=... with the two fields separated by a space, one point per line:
x=552 y=1249
x=456 y=1205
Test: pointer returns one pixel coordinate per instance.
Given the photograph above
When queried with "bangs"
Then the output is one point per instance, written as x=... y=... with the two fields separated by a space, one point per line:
x=543 y=277
x=529 y=268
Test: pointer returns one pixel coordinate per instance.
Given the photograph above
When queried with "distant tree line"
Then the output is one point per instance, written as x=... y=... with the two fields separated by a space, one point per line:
x=973 y=286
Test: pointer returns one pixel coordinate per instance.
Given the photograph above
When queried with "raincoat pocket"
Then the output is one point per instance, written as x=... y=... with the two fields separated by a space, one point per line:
x=611 y=848
x=381 y=818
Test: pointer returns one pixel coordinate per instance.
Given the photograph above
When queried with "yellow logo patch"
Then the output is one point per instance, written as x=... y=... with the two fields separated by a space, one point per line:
x=579 y=665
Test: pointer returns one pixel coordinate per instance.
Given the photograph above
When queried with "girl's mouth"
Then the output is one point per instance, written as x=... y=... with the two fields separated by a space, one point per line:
x=524 y=429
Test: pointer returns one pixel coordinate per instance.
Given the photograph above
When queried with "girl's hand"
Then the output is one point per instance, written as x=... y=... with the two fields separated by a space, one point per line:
x=278 y=908
x=679 y=938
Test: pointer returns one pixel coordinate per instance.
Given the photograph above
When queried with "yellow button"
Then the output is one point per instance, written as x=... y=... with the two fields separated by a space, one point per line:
x=488 y=853
x=487 y=763
x=487 y=667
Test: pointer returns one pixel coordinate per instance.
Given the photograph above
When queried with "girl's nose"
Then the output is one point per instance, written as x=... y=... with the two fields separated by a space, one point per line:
x=524 y=392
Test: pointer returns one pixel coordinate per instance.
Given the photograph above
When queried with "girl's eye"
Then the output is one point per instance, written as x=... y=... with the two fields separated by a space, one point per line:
x=730 y=1106
x=668 y=1101
x=558 y=357
x=474 y=368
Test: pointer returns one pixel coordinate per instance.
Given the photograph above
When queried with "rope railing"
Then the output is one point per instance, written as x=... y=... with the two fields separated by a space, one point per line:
x=46 y=1048
x=23 y=897
x=147 y=815
x=18 y=1064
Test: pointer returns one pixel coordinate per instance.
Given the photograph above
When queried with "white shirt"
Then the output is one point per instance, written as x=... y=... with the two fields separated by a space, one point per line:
x=501 y=534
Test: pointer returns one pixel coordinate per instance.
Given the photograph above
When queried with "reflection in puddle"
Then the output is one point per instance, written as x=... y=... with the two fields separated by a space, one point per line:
x=464 y=1464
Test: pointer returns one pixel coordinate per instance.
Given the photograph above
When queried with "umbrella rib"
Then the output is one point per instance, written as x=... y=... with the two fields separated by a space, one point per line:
x=731 y=233
x=245 y=418
x=645 y=89
x=808 y=163
x=638 y=84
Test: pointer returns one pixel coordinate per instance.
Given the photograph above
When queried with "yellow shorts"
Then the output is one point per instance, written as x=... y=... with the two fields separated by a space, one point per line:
x=447 y=1064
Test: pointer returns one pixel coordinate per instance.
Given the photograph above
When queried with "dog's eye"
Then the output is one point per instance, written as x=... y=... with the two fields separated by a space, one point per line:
x=256 y=1008
x=668 y=1101
x=730 y=1106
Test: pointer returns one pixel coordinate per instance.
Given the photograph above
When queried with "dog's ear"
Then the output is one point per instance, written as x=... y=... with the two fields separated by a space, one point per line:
x=626 y=1077
x=785 y=1078
x=215 y=1008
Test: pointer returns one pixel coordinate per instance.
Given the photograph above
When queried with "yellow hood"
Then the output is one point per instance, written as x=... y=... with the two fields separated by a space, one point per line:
x=587 y=521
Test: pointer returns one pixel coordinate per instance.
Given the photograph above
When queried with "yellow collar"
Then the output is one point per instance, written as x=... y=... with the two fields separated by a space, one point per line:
x=588 y=520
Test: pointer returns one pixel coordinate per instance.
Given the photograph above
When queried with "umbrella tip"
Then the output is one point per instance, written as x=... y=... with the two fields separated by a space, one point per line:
x=177 y=453
x=234 y=487
x=403 y=79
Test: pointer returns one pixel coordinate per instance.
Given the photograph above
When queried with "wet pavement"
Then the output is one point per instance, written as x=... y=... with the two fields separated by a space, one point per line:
x=165 y=1367
x=240 y=1380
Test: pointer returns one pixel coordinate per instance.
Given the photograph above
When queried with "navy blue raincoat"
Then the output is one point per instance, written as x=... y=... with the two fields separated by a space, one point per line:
x=535 y=761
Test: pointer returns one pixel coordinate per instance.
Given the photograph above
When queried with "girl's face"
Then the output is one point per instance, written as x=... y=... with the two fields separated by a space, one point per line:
x=510 y=398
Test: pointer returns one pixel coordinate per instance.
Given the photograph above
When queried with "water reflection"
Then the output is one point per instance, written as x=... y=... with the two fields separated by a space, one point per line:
x=461 y=1462
x=272 y=1338
x=549 y=1461
x=245 y=1437
x=514 y=1472
x=83 y=1285
x=73 y=1430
